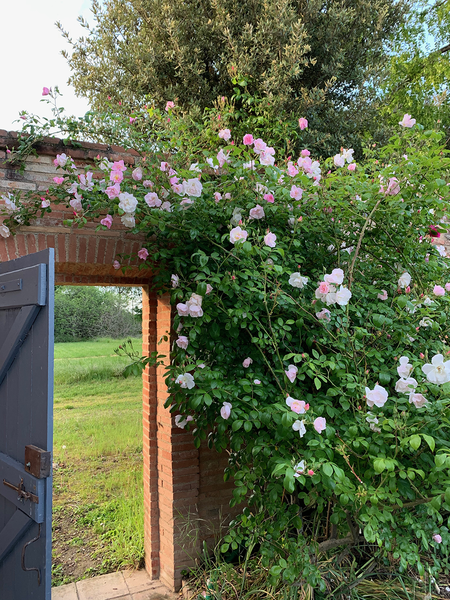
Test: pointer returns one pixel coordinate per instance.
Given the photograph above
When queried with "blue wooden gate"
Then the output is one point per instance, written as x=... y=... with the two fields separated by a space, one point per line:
x=26 y=426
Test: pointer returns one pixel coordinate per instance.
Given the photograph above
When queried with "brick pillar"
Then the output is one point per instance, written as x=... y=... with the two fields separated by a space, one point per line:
x=171 y=462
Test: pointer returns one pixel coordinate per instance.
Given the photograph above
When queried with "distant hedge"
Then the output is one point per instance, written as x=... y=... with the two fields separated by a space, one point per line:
x=82 y=313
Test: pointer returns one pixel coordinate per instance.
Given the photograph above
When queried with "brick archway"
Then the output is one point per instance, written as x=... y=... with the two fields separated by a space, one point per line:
x=184 y=491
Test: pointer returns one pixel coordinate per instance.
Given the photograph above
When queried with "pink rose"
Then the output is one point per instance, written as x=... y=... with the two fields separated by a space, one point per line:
x=302 y=123
x=113 y=191
x=291 y=373
x=152 y=200
x=417 y=399
x=143 y=253
x=45 y=91
x=310 y=472
x=296 y=193
x=132 y=120
x=324 y=315
x=107 y=221
x=247 y=362
x=407 y=121
x=225 y=411
x=382 y=296
x=225 y=134
x=116 y=176
x=378 y=396
x=257 y=212
x=116 y=264
x=297 y=406
x=320 y=424
x=351 y=166
x=182 y=342
x=195 y=310
x=217 y=197
x=336 y=277
x=183 y=309
x=305 y=152
x=256 y=382
x=119 y=165
x=209 y=288
x=269 y=198
x=58 y=180
x=259 y=146
x=45 y=203
x=447 y=287
x=393 y=187
x=137 y=174
x=170 y=104
x=248 y=139
x=324 y=287
x=270 y=239
x=438 y=290
x=292 y=169
x=238 y=235
x=437 y=538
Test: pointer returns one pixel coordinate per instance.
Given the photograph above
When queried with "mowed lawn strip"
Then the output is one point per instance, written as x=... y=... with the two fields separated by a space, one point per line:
x=98 y=490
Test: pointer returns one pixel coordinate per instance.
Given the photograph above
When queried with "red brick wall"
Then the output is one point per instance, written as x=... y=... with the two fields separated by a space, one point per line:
x=185 y=497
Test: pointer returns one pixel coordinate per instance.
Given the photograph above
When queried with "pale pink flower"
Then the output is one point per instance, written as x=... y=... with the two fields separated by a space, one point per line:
x=418 y=400
x=393 y=187
x=297 y=280
x=296 y=192
x=257 y=212
x=107 y=221
x=193 y=187
x=181 y=422
x=436 y=537
x=45 y=91
x=438 y=290
x=292 y=169
x=152 y=200
x=45 y=203
x=324 y=287
x=119 y=165
x=182 y=342
x=116 y=264
x=247 y=362
x=238 y=235
x=404 y=369
x=128 y=202
x=300 y=427
x=266 y=158
x=60 y=160
x=185 y=380
x=351 y=167
x=248 y=139
x=227 y=196
x=223 y=157
x=225 y=411
x=225 y=134
x=297 y=406
x=58 y=180
x=302 y=123
x=217 y=197
x=406 y=386
x=186 y=202
x=335 y=277
x=175 y=281
x=256 y=382
x=343 y=296
x=438 y=371
x=116 y=176
x=339 y=160
x=291 y=373
x=407 y=121
x=305 y=152
x=4 y=231
x=447 y=287
x=166 y=206
x=270 y=239
x=404 y=280
x=378 y=396
x=113 y=191
x=269 y=198
x=132 y=120
x=169 y=104
x=147 y=183
x=320 y=424
x=178 y=188
x=143 y=253
x=137 y=174
x=259 y=146
x=324 y=315
x=209 y=288
x=195 y=310
x=164 y=166
x=183 y=309
x=382 y=296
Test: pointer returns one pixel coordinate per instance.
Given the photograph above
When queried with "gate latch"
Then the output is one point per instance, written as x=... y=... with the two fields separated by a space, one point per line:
x=38 y=462
x=22 y=494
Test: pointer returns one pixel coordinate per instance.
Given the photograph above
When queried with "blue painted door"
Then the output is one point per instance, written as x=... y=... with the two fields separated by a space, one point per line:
x=26 y=426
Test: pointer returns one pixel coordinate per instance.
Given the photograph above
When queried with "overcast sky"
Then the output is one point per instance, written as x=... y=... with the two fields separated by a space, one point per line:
x=31 y=56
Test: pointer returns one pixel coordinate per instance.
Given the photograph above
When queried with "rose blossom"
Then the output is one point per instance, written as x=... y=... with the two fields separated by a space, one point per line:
x=382 y=296
x=297 y=406
x=291 y=373
x=116 y=176
x=116 y=264
x=238 y=235
x=256 y=382
x=182 y=342
x=247 y=362
x=324 y=315
x=248 y=139
x=128 y=220
x=107 y=221
x=143 y=253
x=257 y=212
x=217 y=197
x=183 y=309
x=320 y=424
x=182 y=422
x=300 y=467
x=193 y=187
x=339 y=160
x=351 y=167
x=436 y=537
x=119 y=165
x=169 y=104
x=270 y=239
x=407 y=121
x=302 y=123
x=438 y=371
x=60 y=160
x=209 y=288
x=404 y=369
x=185 y=380
x=269 y=198
x=296 y=192
x=113 y=191
x=4 y=231
x=378 y=396
x=45 y=203
x=336 y=277
x=137 y=174
x=296 y=280
x=259 y=146
x=406 y=386
x=404 y=280
x=45 y=91
x=175 y=281
x=127 y=202
x=225 y=411
x=152 y=200
x=225 y=134
x=300 y=427
x=418 y=400
x=58 y=180
x=438 y=290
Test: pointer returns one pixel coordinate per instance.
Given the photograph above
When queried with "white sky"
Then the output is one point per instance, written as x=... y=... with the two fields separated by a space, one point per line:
x=31 y=49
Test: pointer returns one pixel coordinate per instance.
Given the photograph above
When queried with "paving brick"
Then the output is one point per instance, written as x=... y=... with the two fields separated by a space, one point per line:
x=105 y=587
x=65 y=592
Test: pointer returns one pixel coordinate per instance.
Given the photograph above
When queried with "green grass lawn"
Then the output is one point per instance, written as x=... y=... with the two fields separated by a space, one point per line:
x=98 y=490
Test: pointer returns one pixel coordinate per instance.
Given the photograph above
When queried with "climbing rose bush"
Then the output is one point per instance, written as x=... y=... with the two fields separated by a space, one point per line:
x=311 y=313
